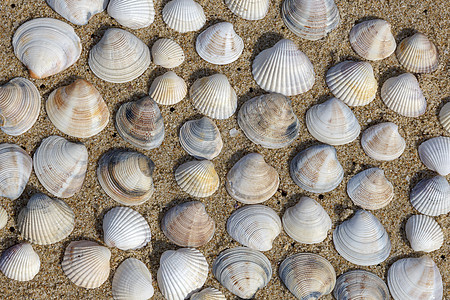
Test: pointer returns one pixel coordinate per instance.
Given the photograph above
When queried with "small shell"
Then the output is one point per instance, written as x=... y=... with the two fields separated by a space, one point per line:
x=60 y=165
x=168 y=89
x=431 y=196
x=79 y=12
x=249 y=9
x=134 y=14
x=283 y=69
x=424 y=233
x=242 y=271
x=184 y=15
x=251 y=180
x=167 y=53
x=197 y=178
x=20 y=262
x=208 y=294
x=418 y=54
x=383 y=142
x=444 y=116
x=86 y=263
x=435 y=154
x=360 y=284
x=3 y=217
x=15 y=170
x=132 y=280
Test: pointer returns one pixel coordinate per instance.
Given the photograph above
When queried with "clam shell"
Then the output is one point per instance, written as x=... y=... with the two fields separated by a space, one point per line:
x=45 y=221
x=418 y=54
x=198 y=178
x=242 y=271
x=168 y=89
x=383 y=142
x=435 y=154
x=119 y=56
x=183 y=15
x=360 y=284
x=78 y=109
x=78 y=12
x=444 y=116
x=15 y=170
x=424 y=233
x=46 y=46
x=249 y=9
x=134 y=14
x=3 y=217
x=167 y=53
x=20 y=262
x=60 y=165
x=208 y=294
x=431 y=196
x=132 y=280
x=283 y=69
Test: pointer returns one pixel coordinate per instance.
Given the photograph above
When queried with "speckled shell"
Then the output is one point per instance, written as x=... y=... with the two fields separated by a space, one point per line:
x=418 y=54
x=249 y=9
x=184 y=15
x=360 y=284
x=20 y=262
x=424 y=233
x=132 y=281
x=79 y=12
x=3 y=217
x=208 y=294
x=435 y=154
x=168 y=89
x=383 y=142
x=134 y=14
x=431 y=196
x=46 y=46
x=167 y=53
x=444 y=116
x=15 y=170
x=198 y=178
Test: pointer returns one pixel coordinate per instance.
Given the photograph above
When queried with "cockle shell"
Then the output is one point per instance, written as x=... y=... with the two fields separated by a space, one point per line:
x=424 y=233
x=360 y=284
x=418 y=54
x=45 y=221
x=20 y=262
x=444 y=116
x=251 y=180
x=435 y=154
x=46 y=46
x=60 y=165
x=78 y=109
x=431 y=196
x=167 y=53
x=79 y=12
x=283 y=69
x=134 y=14
x=181 y=272
x=184 y=15
x=15 y=170
x=383 y=141
x=132 y=280
x=242 y=271
x=20 y=103
x=3 y=217
x=198 y=178
x=168 y=89
x=119 y=56
x=249 y=9
x=307 y=275
x=208 y=294
x=86 y=263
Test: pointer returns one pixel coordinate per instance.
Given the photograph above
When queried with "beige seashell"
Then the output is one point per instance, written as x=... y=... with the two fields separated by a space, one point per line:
x=249 y=9
x=20 y=262
x=360 y=284
x=444 y=116
x=418 y=54
x=383 y=142
x=435 y=154
x=198 y=178
x=132 y=280
x=168 y=89
x=79 y=12
x=78 y=109
x=3 y=217
x=208 y=294
x=424 y=233
x=134 y=14
x=184 y=15
x=431 y=196
x=15 y=170
x=167 y=53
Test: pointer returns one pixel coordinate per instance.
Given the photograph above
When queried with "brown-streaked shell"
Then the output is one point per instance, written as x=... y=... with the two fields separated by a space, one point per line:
x=134 y=14
x=360 y=284
x=132 y=280
x=418 y=54
x=168 y=89
x=198 y=178
x=15 y=170
x=424 y=233
x=431 y=196
x=183 y=15
x=435 y=154
x=20 y=262
x=78 y=12
x=383 y=141
x=167 y=53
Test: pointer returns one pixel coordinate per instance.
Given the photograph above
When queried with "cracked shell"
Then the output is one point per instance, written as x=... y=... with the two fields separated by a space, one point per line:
x=418 y=54
x=198 y=178
x=168 y=89
x=424 y=233
x=20 y=262
x=435 y=154
x=360 y=284
x=183 y=15
x=132 y=281
x=383 y=142
x=15 y=170
x=431 y=196
x=78 y=12
x=134 y=14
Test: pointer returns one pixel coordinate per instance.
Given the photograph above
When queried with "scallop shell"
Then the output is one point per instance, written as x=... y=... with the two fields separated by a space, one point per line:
x=219 y=44
x=249 y=9
x=45 y=221
x=181 y=272
x=15 y=170
x=307 y=222
x=60 y=165
x=360 y=284
x=383 y=142
x=251 y=180
x=78 y=109
x=418 y=54
x=431 y=196
x=362 y=240
x=119 y=56
x=317 y=169
x=424 y=233
x=167 y=53
x=20 y=103
x=208 y=294
x=20 y=262
x=183 y=15
x=46 y=46
x=132 y=280
x=168 y=89
x=444 y=116
x=198 y=178
x=283 y=69
x=125 y=229
x=242 y=271
x=134 y=14
x=86 y=263
x=3 y=217
x=307 y=275
x=435 y=154
x=79 y=12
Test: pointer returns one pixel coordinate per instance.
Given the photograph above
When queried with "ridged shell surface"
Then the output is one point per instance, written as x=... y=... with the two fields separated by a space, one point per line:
x=20 y=262
x=198 y=178
x=444 y=116
x=431 y=196
x=168 y=89
x=418 y=54
x=79 y=12
x=132 y=281
x=435 y=154
x=383 y=142
x=249 y=9
x=184 y=15
x=3 y=217
x=424 y=233
x=167 y=53
x=15 y=170
x=360 y=284
x=134 y=14
x=208 y=294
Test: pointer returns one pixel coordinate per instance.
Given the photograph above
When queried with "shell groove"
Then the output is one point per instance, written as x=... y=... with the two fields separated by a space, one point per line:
x=20 y=262
x=3 y=217
x=78 y=12
x=249 y=9
x=418 y=54
x=444 y=116
x=435 y=154
x=168 y=89
x=15 y=170
x=197 y=178
x=360 y=284
x=184 y=15
x=134 y=14
x=431 y=196
x=424 y=233
x=383 y=141
x=167 y=53
x=208 y=294
x=132 y=281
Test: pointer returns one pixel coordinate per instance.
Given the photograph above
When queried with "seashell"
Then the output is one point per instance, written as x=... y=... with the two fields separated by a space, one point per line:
x=140 y=123
x=15 y=170
x=201 y=138
x=45 y=221
x=242 y=271
x=435 y=154
x=444 y=116
x=78 y=109
x=372 y=39
x=198 y=178
x=418 y=54
x=134 y=14
x=249 y=9
x=125 y=229
x=86 y=263
x=167 y=53
x=208 y=294
x=168 y=89
x=317 y=169
x=269 y=120
x=307 y=275
x=360 y=284
x=431 y=196
x=20 y=103
x=188 y=225
x=310 y=19
x=283 y=69
x=251 y=180
x=181 y=272
x=132 y=280
x=119 y=56
x=370 y=189
x=307 y=222
x=60 y=165
x=383 y=141
x=20 y=262
x=403 y=95
x=219 y=44
x=78 y=12
x=46 y=46
x=362 y=240
x=126 y=176
x=424 y=233
x=415 y=278
x=352 y=82
x=3 y=217
x=214 y=96
x=332 y=122
x=184 y=15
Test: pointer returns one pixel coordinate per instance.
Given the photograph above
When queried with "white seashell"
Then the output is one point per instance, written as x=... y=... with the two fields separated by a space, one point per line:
x=383 y=142
x=431 y=196
x=198 y=178
x=283 y=69
x=3 y=217
x=134 y=14
x=360 y=284
x=46 y=46
x=403 y=95
x=181 y=272
x=208 y=294
x=86 y=263
x=307 y=222
x=168 y=89
x=45 y=221
x=132 y=280
x=219 y=44
x=125 y=229
x=418 y=54
x=249 y=9
x=424 y=233
x=444 y=116
x=79 y=12
x=435 y=154
x=20 y=262
x=167 y=53
x=15 y=170
x=184 y=15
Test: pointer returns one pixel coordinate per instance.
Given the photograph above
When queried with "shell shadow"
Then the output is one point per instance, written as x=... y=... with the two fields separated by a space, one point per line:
x=403 y=231
x=300 y=147
x=265 y=41
x=182 y=160
x=63 y=82
x=22 y=201
x=420 y=175
x=389 y=73
x=441 y=105
x=203 y=72
x=252 y=92
x=158 y=71
x=174 y=202
x=404 y=33
x=194 y=116
x=99 y=32
x=235 y=157
x=367 y=18
x=129 y=98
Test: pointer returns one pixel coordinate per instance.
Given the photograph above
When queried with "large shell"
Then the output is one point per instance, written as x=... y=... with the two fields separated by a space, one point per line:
x=242 y=271
x=168 y=89
x=360 y=284
x=418 y=54
x=431 y=196
x=79 y=12
x=134 y=14
x=383 y=141
x=424 y=233
x=3 y=217
x=249 y=9
x=78 y=109
x=15 y=170
x=45 y=221
x=198 y=178
x=20 y=262
x=444 y=116
x=167 y=53
x=132 y=281
x=46 y=46
x=184 y=15
x=283 y=69
x=119 y=56
x=435 y=154
x=208 y=294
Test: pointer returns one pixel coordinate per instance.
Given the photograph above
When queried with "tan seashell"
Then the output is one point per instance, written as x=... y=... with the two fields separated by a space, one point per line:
x=15 y=170
x=418 y=54
x=167 y=53
x=383 y=141
x=3 y=217
x=134 y=14
x=79 y=12
x=20 y=262
x=424 y=233
x=198 y=178
x=360 y=284
x=183 y=15
x=444 y=116
x=132 y=280
x=435 y=154
x=168 y=89
x=431 y=196
x=249 y=9
x=208 y=294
